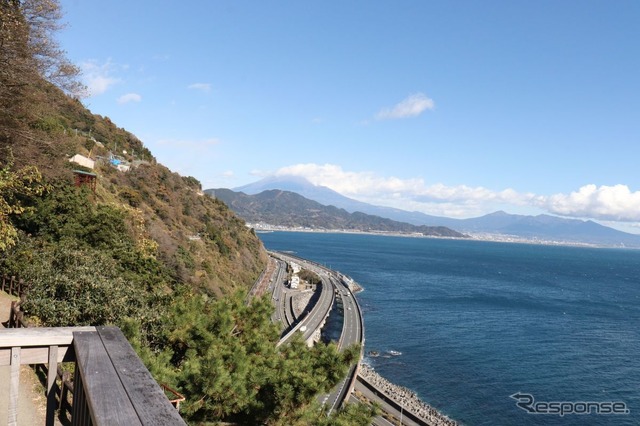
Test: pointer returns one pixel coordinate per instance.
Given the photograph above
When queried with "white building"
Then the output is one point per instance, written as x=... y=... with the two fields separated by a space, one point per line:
x=295 y=282
x=83 y=161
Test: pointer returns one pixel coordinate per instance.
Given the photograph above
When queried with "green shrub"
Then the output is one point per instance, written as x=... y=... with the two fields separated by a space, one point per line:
x=131 y=196
x=51 y=125
x=192 y=182
x=70 y=285
x=309 y=276
x=186 y=258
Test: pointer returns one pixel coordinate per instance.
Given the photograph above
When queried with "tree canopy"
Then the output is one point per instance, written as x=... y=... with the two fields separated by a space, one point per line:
x=15 y=188
x=30 y=56
x=28 y=46
x=224 y=356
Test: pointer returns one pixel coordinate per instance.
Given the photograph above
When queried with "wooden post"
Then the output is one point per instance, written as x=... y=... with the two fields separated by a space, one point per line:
x=12 y=418
x=12 y=317
x=52 y=372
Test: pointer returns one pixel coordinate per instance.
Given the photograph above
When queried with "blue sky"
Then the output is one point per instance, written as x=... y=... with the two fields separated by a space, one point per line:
x=451 y=108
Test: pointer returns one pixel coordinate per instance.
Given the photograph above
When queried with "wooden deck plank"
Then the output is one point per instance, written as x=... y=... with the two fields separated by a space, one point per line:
x=105 y=394
x=147 y=397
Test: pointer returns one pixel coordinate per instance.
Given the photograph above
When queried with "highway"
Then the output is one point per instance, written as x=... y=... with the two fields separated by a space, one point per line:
x=352 y=331
x=331 y=288
x=278 y=293
x=313 y=320
x=333 y=292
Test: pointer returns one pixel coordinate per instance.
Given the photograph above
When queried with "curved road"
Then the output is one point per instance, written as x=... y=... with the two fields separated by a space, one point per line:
x=331 y=288
x=352 y=332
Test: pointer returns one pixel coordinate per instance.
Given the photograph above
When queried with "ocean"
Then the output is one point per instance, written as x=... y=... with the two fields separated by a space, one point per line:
x=479 y=322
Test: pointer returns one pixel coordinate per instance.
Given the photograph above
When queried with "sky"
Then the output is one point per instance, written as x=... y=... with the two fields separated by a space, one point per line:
x=456 y=108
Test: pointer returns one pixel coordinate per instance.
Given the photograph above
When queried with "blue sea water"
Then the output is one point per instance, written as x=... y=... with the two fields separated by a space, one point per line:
x=478 y=321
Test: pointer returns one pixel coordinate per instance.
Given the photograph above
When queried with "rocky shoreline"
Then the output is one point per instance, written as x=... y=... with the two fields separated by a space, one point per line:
x=406 y=398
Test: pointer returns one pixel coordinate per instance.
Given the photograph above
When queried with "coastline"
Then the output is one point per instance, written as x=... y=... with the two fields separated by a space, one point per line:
x=485 y=237
x=405 y=398
x=402 y=397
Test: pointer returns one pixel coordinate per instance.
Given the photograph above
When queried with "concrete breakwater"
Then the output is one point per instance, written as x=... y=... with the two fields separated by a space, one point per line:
x=405 y=398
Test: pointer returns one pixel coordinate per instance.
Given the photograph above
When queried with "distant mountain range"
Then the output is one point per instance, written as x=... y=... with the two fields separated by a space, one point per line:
x=540 y=227
x=288 y=209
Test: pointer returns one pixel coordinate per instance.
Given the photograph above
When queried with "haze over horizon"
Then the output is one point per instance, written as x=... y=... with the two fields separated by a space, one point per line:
x=451 y=109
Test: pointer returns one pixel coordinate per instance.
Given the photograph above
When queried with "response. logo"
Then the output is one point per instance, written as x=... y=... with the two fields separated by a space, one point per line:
x=527 y=402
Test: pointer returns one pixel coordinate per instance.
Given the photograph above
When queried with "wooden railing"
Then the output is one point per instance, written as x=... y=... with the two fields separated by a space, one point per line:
x=111 y=385
x=12 y=285
x=19 y=346
x=15 y=287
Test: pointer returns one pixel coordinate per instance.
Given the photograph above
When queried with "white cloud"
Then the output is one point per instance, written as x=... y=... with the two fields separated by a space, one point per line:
x=408 y=194
x=613 y=203
x=228 y=174
x=616 y=203
x=97 y=77
x=369 y=185
x=412 y=106
x=129 y=97
x=203 y=87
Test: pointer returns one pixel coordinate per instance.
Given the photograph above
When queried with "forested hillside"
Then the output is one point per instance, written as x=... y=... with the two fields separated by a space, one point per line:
x=138 y=246
x=198 y=240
